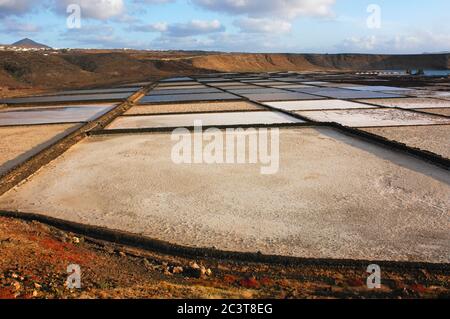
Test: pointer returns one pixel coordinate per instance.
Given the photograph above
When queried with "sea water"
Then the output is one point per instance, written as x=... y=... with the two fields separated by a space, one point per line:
x=430 y=73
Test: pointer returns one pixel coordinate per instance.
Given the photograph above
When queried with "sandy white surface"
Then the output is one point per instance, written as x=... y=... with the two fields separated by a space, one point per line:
x=318 y=105
x=334 y=197
x=208 y=119
x=435 y=138
x=411 y=103
x=51 y=115
x=374 y=117
x=21 y=142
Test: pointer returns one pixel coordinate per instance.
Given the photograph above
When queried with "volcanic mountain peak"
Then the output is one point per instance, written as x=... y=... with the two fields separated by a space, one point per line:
x=28 y=43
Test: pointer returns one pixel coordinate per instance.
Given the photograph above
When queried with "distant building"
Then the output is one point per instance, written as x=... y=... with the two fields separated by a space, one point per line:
x=22 y=49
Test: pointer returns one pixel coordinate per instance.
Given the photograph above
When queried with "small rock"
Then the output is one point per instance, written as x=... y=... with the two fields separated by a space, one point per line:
x=167 y=272
x=177 y=270
x=158 y=268
x=103 y=295
x=63 y=236
x=194 y=265
x=203 y=270
x=425 y=273
x=37 y=286
x=35 y=293
x=192 y=272
x=200 y=271
x=14 y=275
x=147 y=264
x=122 y=254
x=16 y=285
x=76 y=240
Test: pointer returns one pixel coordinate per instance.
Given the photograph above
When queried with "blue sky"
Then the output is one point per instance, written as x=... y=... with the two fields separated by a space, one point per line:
x=311 y=26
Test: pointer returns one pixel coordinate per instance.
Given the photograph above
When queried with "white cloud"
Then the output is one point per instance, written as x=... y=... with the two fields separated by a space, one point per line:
x=255 y=25
x=154 y=1
x=269 y=8
x=417 y=42
x=187 y=43
x=155 y=27
x=178 y=30
x=13 y=26
x=359 y=43
x=95 y=9
x=224 y=41
x=15 y=7
x=99 y=35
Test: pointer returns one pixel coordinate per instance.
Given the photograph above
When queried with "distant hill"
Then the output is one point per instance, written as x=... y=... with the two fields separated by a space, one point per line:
x=87 y=68
x=28 y=43
x=255 y=62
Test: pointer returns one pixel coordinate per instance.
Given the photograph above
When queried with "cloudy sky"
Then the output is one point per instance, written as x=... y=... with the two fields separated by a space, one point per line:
x=322 y=26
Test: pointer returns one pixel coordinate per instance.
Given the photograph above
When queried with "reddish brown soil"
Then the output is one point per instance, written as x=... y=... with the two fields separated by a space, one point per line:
x=35 y=258
x=27 y=73
x=255 y=63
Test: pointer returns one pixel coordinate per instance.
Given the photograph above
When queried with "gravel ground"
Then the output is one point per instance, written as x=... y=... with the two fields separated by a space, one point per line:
x=374 y=117
x=318 y=105
x=35 y=258
x=435 y=139
x=437 y=111
x=411 y=103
